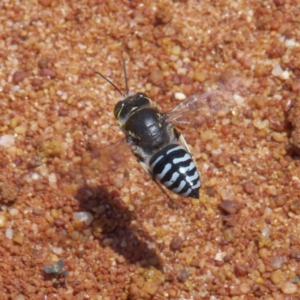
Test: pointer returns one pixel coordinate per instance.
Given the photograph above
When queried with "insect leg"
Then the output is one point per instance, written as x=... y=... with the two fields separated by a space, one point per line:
x=184 y=143
x=146 y=169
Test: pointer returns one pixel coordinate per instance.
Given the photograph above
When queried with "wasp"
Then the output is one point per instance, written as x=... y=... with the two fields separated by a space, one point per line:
x=159 y=147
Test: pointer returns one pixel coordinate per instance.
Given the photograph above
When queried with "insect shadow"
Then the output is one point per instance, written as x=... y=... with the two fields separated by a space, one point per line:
x=114 y=226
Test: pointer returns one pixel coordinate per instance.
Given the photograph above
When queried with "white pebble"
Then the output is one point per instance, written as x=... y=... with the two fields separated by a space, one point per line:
x=36 y=176
x=20 y=297
x=13 y=211
x=84 y=216
x=182 y=71
x=7 y=140
x=266 y=232
x=151 y=245
x=289 y=288
x=291 y=43
x=219 y=256
x=52 y=179
x=277 y=71
x=238 y=99
x=180 y=96
x=57 y=250
x=172 y=219
x=9 y=233
x=277 y=261
x=285 y=75
x=34 y=228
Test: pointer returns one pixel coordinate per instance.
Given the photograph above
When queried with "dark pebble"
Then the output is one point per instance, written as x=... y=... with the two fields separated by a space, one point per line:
x=176 y=243
x=19 y=76
x=48 y=73
x=231 y=207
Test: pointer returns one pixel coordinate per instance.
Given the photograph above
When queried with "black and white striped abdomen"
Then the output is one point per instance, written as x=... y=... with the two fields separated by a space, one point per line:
x=174 y=167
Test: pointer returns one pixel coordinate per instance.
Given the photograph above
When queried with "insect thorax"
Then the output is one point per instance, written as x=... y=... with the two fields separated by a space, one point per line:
x=147 y=131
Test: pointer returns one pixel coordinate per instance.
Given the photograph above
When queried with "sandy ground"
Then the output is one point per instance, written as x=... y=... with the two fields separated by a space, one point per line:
x=64 y=197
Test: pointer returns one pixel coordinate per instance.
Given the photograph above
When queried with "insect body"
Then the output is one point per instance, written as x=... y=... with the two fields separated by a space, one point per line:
x=155 y=143
x=153 y=138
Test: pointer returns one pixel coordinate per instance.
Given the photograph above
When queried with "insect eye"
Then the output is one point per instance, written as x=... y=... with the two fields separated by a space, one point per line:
x=143 y=100
x=118 y=108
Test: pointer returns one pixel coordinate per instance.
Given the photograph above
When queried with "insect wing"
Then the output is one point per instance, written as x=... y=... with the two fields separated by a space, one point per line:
x=59 y=265
x=48 y=269
x=108 y=159
x=198 y=106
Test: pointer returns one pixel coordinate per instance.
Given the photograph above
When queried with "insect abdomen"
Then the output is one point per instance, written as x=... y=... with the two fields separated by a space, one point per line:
x=174 y=167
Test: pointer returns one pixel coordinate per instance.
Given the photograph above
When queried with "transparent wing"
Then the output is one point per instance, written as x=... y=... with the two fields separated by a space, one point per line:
x=59 y=265
x=48 y=269
x=199 y=106
x=103 y=162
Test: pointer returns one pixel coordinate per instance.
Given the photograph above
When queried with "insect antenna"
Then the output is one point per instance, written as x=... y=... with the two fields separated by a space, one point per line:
x=112 y=83
x=125 y=77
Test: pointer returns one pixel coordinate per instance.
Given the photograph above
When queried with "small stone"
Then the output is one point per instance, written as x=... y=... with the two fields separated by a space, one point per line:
x=156 y=77
x=249 y=187
x=240 y=270
x=2 y=220
x=276 y=262
x=259 y=280
x=18 y=238
x=295 y=207
x=75 y=235
x=51 y=148
x=207 y=135
x=164 y=13
x=277 y=277
x=180 y=96
x=183 y=275
x=19 y=76
x=20 y=129
x=133 y=291
x=296 y=279
x=59 y=222
x=176 y=243
x=289 y=288
x=231 y=207
x=219 y=256
x=280 y=200
x=261 y=124
x=263 y=253
x=29 y=288
x=13 y=211
x=9 y=233
x=194 y=263
x=172 y=293
x=151 y=288
x=48 y=73
x=295 y=86
x=176 y=50
x=84 y=216
x=120 y=259
x=57 y=250
x=107 y=242
x=200 y=75
x=7 y=140
x=278 y=137
x=277 y=71
x=45 y=3
x=8 y=193
x=43 y=63
x=63 y=112
x=244 y=288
